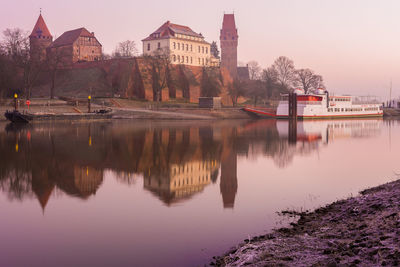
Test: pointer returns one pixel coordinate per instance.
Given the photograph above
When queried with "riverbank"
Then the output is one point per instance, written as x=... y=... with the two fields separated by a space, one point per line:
x=363 y=230
x=126 y=109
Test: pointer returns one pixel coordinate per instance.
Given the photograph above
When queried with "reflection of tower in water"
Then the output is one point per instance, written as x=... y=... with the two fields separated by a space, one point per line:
x=228 y=184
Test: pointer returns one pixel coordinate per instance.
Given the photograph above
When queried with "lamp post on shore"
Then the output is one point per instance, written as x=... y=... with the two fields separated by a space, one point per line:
x=89 y=98
x=15 y=101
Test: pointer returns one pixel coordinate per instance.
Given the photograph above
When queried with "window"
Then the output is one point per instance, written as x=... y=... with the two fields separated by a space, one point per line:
x=202 y=61
x=199 y=64
x=199 y=49
x=191 y=60
x=159 y=45
x=148 y=47
x=202 y=49
x=179 y=46
x=174 y=58
x=187 y=47
x=92 y=51
x=206 y=50
x=191 y=47
x=179 y=58
x=174 y=45
x=187 y=59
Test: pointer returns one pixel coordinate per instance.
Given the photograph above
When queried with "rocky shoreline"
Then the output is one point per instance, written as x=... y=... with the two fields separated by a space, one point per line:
x=359 y=231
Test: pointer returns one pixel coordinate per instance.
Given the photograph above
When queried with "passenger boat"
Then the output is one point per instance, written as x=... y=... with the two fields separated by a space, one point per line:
x=320 y=105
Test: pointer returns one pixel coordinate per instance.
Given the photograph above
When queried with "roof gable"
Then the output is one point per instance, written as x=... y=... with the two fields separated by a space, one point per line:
x=69 y=37
x=40 y=29
x=169 y=29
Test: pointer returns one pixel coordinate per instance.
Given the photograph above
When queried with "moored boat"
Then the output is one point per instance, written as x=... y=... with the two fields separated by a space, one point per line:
x=16 y=116
x=320 y=105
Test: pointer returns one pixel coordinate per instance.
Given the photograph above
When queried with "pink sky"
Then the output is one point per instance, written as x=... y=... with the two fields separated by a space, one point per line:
x=353 y=44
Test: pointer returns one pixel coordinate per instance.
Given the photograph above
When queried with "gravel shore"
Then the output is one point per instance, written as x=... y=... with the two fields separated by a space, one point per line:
x=359 y=231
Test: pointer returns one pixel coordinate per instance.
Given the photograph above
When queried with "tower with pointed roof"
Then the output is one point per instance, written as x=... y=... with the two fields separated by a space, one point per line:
x=39 y=40
x=229 y=42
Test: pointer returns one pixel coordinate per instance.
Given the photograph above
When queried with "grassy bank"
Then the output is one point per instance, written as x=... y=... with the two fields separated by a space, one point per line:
x=359 y=231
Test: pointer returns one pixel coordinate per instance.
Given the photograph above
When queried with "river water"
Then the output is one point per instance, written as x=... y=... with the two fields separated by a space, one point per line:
x=128 y=193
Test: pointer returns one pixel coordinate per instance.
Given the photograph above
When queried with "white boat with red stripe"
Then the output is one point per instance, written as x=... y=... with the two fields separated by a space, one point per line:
x=320 y=105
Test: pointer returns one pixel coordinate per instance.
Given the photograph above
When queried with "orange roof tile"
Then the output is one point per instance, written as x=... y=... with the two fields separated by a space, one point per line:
x=40 y=28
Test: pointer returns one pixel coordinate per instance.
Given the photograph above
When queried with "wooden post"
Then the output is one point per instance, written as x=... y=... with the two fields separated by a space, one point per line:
x=89 y=98
x=292 y=118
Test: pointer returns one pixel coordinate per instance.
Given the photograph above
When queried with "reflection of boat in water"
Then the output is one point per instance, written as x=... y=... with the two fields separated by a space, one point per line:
x=328 y=130
x=320 y=105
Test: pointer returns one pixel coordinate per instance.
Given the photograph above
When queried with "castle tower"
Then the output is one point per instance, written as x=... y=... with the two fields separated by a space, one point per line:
x=39 y=40
x=229 y=42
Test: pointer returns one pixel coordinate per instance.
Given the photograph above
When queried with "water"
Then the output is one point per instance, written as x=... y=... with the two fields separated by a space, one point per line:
x=170 y=193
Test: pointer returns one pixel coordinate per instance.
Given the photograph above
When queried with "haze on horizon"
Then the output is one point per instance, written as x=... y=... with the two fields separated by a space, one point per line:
x=354 y=45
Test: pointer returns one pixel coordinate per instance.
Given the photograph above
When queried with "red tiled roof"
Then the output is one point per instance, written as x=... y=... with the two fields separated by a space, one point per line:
x=229 y=22
x=69 y=37
x=169 y=29
x=40 y=28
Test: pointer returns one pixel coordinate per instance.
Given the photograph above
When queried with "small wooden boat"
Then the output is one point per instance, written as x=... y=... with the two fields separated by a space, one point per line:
x=18 y=117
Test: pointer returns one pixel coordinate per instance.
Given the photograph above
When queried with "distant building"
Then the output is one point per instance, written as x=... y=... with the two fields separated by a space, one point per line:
x=39 y=40
x=182 y=44
x=229 y=42
x=243 y=73
x=77 y=46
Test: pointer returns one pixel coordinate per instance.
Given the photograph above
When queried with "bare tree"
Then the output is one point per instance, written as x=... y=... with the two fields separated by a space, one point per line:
x=16 y=46
x=159 y=64
x=270 y=78
x=254 y=70
x=125 y=49
x=308 y=80
x=235 y=90
x=285 y=70
x=56 y=59
x=210 y=85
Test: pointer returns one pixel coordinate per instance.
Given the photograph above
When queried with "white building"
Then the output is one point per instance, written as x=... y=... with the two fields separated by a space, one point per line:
x=182 y=44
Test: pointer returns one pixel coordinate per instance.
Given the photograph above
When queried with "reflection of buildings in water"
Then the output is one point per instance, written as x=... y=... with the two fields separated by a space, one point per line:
x=181 y=181
x=87 y=180
x=78 y=181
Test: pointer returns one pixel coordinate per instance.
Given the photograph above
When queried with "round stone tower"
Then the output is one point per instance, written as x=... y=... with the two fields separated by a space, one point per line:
x=39 y=40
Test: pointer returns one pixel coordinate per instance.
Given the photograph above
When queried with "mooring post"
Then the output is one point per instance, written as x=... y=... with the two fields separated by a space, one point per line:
x=292 y=118
x=89 y=98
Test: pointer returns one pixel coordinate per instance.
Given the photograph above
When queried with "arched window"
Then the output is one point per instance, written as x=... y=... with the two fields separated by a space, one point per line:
x=174 y=45
x=191 y=47
x=174 y=58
